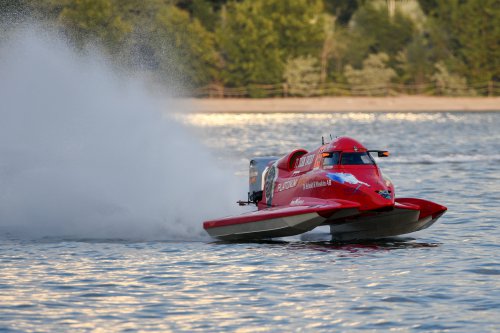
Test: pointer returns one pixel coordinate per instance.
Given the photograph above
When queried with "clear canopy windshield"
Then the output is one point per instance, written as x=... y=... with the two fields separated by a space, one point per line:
x=356 y=159
x=332 y=160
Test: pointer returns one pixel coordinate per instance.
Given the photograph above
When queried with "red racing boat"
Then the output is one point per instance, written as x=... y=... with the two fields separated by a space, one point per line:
x=338 y=184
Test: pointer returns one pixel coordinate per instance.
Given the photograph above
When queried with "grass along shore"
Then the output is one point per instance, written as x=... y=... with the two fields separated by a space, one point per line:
x=346 y=104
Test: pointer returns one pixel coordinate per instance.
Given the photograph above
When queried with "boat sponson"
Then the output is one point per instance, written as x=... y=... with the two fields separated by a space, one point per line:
x=409 y=215
x=277 y=221
x=276 y=227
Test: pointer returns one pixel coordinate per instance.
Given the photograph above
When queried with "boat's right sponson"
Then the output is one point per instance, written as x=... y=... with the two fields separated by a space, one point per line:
x=409 y=215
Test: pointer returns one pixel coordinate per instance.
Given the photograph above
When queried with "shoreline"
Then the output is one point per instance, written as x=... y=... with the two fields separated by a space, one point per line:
x=345 y=104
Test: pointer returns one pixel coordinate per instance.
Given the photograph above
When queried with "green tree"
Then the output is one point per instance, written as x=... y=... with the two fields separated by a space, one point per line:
x=373 y=78
x=206 y=11
x=256 y=38
x=415 y=63
x=302 y=76
x=299 y=24
x=373 y=31
x=329 y=45
x=428 y=6
x=184 y=48
x=465 y=35
x=341 y=9
x=94 y=20
x=478 y=34
x=249 y=45
x=140 y=49
x=450 y=84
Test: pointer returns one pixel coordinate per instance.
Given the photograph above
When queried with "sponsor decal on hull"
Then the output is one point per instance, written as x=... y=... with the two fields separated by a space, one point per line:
x=342 y=178
x=297 y=202
x=316 y=184
x=305 y=160
x=272 y=175
x=287 y=185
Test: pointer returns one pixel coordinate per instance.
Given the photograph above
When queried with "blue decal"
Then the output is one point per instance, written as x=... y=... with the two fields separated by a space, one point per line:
x=342 y=178
x=336 y=177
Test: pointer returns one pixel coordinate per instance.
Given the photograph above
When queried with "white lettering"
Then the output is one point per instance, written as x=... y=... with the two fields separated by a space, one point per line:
x=306 y=160
x=287 y=185
x=297 y=202
x=316 y=184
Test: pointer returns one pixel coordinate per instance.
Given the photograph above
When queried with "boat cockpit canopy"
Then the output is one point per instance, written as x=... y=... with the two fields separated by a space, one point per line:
x=343 y=158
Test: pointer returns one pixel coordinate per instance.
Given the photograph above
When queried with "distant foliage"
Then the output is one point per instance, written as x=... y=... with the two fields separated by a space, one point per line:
x=302 y=76
x=257 y=45
x=184 y=48
x=372 y=31
x=450 y=84
x=373 y=78
x=257 y=37
x=414 y=63
x=93 y=20
x=465 y=34
x=249 y=45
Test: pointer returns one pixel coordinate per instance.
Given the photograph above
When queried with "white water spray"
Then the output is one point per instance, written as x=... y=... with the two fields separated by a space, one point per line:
x=87 y=153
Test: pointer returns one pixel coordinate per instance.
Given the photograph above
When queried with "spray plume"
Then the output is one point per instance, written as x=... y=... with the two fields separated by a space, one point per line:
x=88 y=153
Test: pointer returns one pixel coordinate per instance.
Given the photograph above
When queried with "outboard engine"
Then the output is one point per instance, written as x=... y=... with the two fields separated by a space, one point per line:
x=256 y=180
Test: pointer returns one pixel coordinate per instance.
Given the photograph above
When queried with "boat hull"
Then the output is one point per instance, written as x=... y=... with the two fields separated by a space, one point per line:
x=394 y=223
x=275 y=227
x=346 y=221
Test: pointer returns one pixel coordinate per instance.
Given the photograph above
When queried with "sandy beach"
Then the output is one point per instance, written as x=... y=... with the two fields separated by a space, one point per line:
x=347 y=104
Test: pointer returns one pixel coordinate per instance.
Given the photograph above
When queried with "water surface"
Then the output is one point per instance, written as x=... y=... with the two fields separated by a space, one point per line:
x=445 y=278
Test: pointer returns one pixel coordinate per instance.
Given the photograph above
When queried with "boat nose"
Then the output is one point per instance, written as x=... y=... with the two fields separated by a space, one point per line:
x=381 y=196
x=377 y=196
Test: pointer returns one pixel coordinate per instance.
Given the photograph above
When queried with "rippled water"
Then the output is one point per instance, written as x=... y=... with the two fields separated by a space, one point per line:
x=445 y=278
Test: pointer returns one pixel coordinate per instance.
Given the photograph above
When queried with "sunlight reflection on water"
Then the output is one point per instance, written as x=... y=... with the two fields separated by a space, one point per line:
x=249 y=119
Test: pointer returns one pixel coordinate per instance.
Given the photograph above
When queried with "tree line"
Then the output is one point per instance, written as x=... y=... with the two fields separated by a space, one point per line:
x=454 y=44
